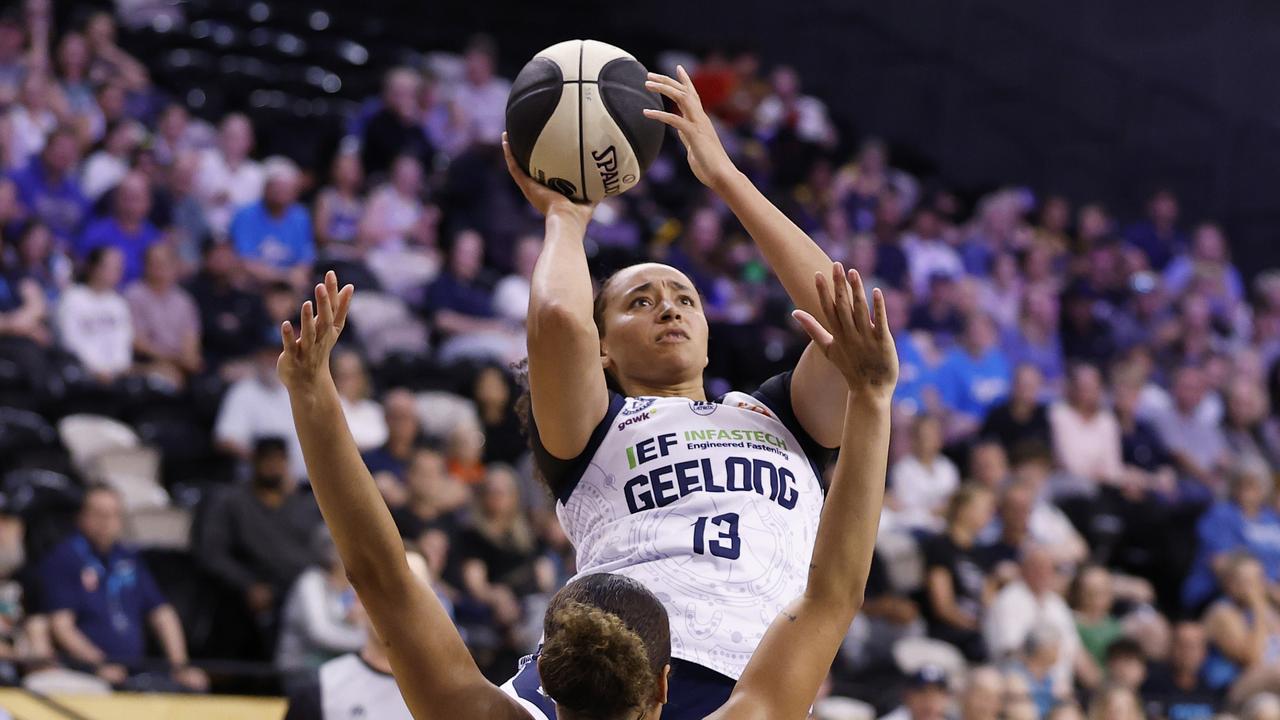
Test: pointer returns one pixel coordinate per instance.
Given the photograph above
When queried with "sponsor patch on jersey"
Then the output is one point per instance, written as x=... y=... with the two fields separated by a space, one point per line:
x=648 y=414
x=702 y=407
x=756 y=409
x=637 y=405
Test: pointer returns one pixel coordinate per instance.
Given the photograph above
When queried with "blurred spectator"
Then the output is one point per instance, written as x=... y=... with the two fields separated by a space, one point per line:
x=178 y=135
x=364 y=415
x=1027 y=514
x=72 y=65
x=188 y=227
x=39 y=261
x=48 y=189
x=923 y=480
x=339 y=207
x=1037 y=658
x=1247 y=426
x=886 y=617
x=232 y=321
x=1243 y=627
x=394 y=130
x=256 y=407
x=1086 y=435
x=1177 y=691
x=273 y=235
x=227 y=178
x=988 y=464
x=1025 y=605
x=24 y=307
x=1263 y=706
x=1198 y=447
x=1023 y=418
x=461 y=306
x=974 y=377
x=399 y=232
x=511 y=294
x=926 y=697
x=108 y=165
x=109 y=61
x=166 y=324
x=1115 y=703
x=435 y=499
x=983 y=695
x=320 y=619
x=503 y=440
x=1126 y=664
x=30 y=121
x=480 y=99
x=1158 y=235
x=388 y=463
x=915 y=367
x=1085 y=333
x=1243 y=522
x=1092 y=597
x=13 y=65
x=464 y=453
x=1002 y=292
x=257 y=538
x=100 y=596
x=957 y=590
x=127 y=228
x=93 y=321
x=1148 y=463
x=928 y=251
x=1035 y=340
x=785 y=109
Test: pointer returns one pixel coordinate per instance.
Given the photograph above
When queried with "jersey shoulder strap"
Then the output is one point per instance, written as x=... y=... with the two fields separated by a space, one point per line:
x=561 y=475
x=775 y=394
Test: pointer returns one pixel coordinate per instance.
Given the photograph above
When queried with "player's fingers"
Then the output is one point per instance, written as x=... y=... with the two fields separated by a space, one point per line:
x=826 y=301
x=331 y=284
x=685 y=80
x=324 y=308
x=344 y=304
x=512 y=166
x=881 y=314
x=844 y=309
x=675 y=121
x=664 y=80
x=813 y=328
x=308 y=324
x=858 y=296
x=287 y=337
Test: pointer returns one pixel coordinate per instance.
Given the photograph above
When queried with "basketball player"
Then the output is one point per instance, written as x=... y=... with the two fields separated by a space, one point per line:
x=608 y=648
x=712 y=504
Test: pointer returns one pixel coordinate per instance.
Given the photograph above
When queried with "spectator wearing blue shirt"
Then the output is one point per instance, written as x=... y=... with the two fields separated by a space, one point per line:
x=127 y=229
x=1158 y=236
x=974 y=377
x=48 y=189
x=100 y=596
x=273 y=235
x=1242 y=522
x=461 y=305
x=915 y=370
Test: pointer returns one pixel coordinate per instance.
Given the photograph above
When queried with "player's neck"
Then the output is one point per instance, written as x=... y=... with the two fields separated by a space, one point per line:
x=691 y=389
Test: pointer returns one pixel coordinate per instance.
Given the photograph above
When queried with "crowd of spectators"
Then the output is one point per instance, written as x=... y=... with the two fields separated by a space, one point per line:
x=1081 y=514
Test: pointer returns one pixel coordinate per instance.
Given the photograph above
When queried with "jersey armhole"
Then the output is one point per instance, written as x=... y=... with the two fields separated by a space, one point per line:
x=562 y=476
x=775 y=393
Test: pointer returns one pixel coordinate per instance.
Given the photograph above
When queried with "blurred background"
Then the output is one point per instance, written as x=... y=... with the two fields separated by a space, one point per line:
x=1071 y=208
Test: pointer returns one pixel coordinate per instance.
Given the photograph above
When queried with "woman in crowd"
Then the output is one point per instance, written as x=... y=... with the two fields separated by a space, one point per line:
x=957 y=587
x=321 y=618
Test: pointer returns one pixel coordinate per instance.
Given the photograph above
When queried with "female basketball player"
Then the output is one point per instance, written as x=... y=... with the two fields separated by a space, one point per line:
x=712 y=505
x=607 y=654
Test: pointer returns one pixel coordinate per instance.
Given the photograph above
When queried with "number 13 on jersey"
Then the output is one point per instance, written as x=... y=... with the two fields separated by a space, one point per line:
x=726 y=544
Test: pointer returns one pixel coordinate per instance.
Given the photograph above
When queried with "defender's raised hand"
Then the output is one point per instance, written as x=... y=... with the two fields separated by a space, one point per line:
x=305 y=357
x=707 y=158
x=856 y=342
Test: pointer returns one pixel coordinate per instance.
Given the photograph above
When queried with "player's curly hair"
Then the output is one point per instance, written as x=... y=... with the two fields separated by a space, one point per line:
x=607 y=643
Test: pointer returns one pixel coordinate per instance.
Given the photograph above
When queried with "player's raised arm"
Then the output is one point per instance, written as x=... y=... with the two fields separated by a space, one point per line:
x=566 y=379
x=790 y=252
x=784 y=674
x=435 y=671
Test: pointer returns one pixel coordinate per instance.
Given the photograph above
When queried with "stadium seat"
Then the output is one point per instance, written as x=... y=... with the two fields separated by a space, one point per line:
x=843 y=708
x=47 y=502
x=61 y=681
x=384 y=326
x=88 y=436
x=162 y=528
x=134 y=473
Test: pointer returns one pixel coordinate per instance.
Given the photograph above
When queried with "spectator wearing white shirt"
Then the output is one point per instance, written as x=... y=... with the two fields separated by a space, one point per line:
x=365 y=416
x=480 y=100
x=1034 y=601
x=511 y=294
x=228 y=178
x=928 y=252
x=93 y=320
x=320 y=619
x=257 y=407
x=30 y=121
x=923 y=480
x=105 y=168
x=787 y=109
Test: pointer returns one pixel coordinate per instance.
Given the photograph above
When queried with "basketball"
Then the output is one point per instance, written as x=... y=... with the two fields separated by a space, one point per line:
x=575 y=120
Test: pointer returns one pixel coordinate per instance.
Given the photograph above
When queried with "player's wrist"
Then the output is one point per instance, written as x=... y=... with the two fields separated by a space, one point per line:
x=871 y=396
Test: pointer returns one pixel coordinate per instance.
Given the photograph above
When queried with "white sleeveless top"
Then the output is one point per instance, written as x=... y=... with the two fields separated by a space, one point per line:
x=713 y=506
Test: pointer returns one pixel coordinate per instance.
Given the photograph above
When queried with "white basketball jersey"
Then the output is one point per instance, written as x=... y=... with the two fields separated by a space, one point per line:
x=351 y=690
x=712 y=506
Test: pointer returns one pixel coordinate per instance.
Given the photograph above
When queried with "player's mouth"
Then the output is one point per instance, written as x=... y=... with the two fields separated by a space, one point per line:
x=672 y=336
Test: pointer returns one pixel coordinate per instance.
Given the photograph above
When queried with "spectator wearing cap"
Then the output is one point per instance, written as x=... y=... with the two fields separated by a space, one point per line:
x=100 y=598
x=1177 y=690
x=93 y=320
x=48 y=189
x=1033 y=602
x=1158 y=235
x=320 y=619
x=395 y=129
x=927 y=696
x=974 y=377
x=257 y=538
x=127 y=228
x=166 y=324
x=1243 y=521
x=256 y=407
x=227 y=178
x=273 y=235
x=1023 y=418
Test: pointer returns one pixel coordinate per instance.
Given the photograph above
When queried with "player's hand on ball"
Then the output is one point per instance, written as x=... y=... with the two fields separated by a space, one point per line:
x=542 y=198
x=305 y=357
x=856 y=341
x=707 y=158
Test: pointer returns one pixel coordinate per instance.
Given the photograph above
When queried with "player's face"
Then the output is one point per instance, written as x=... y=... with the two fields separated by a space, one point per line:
x=655 y=331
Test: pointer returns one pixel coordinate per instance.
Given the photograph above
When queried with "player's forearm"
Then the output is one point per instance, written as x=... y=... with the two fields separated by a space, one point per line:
x=361 y=524
x=561 y=284
x=851 y=515
x=792 y=254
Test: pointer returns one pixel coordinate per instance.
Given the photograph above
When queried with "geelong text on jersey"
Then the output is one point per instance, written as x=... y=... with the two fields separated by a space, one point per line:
x=664 y=484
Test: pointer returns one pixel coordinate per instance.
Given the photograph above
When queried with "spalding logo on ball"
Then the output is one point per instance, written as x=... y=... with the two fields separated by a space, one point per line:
x=575 y=120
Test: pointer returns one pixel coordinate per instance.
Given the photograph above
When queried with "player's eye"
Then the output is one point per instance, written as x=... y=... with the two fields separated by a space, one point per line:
x=686 y=300
x=641 y=302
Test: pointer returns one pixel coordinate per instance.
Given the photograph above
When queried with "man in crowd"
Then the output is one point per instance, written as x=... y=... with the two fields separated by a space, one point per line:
x=273 y=235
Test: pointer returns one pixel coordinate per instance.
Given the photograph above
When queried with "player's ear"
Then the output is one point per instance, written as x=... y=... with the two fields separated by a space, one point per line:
x=664 y=683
